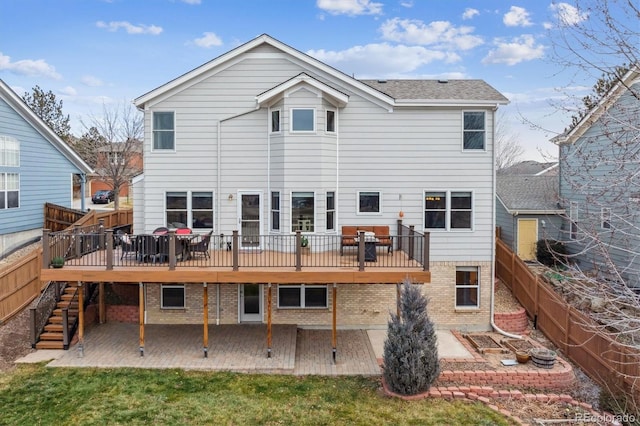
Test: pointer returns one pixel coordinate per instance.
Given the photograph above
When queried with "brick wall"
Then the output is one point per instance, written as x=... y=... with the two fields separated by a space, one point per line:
x=357 y=305
x=513 y=322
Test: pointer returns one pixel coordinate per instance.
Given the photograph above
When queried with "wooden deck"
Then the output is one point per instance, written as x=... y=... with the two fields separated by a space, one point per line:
x=253 y=266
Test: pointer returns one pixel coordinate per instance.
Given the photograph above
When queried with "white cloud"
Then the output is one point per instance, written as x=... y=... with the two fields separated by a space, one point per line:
x=407 y=4
x=30 y=67
x=208 y=40
x=129 y=28
x=68 y=91
x=381 y=60
x=469 y=13
x=91 y=81
x=567 y=14
x=192 y=1
x=350 y=7
x=440 y=34
x=517 y=17
x=519 y=49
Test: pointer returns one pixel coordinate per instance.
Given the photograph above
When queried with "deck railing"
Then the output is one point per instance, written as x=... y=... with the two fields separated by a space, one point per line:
x=98 y=247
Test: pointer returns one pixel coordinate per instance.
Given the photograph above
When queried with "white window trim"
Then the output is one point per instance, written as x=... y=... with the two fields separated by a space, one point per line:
x=273 y=132
x=271 y=210
x=175 y=132
x=335 y=121
x=4 y=191
x=334 y=210
x=447 y=217
x=184 y=299
x=190 y=208
x=302 y=288
x=315 y=212
x=476 y=269
x=378 y=213
x=486 y=133
x=315 y=118
x=9 y=140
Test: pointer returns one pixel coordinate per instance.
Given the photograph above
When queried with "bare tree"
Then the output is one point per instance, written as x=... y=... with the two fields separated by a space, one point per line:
x=112 y=144
x=600 y=164
x=507 y=146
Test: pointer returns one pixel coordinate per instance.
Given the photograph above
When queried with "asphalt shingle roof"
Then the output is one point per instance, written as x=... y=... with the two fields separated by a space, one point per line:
x=539 y=193
x=463 y=90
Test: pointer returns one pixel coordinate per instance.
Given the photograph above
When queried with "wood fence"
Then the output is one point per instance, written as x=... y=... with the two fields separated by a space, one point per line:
x=20 y=282
x=599 y=355
x=58 y=218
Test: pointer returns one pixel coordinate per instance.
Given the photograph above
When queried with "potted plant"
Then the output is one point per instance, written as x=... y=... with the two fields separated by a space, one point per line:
x=304 y=244
x=57 y=262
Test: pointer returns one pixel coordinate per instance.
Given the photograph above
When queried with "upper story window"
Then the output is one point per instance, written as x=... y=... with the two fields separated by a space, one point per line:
x=9 y=151
x=448 y=210
x=331 y=121
x=164 y=134
x=275 y=121
x=9 y=190
x=303 y=120
x=369 y=202
x=473 y=135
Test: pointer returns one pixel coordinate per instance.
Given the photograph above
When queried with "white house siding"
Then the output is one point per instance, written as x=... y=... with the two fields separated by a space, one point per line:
x=400 y=153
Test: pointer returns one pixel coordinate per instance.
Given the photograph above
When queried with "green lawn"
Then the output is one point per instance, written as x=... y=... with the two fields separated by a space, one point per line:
x=36 y=394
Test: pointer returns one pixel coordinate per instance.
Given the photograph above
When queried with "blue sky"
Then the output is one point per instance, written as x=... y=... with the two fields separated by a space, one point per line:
x=90 y=52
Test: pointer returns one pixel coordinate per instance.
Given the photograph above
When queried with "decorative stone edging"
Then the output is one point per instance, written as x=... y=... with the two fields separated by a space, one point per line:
x=485 y=394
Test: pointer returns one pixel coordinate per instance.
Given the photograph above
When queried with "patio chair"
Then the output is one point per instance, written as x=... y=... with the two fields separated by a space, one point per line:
x=162 y=252
x=147 y=246
x=200 y=245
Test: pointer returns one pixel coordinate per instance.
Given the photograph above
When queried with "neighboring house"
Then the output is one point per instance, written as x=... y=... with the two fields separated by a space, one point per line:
x=267 y=140
x=122 y=159
x=528 y=207
x=599 y=186
x=36 y=167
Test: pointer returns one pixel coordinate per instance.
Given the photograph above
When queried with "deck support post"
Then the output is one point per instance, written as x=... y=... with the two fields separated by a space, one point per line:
x=101 y=307
x=334 y=332
x=269 y=336
x=141 y=317
x=80 y=319
x=205 y=319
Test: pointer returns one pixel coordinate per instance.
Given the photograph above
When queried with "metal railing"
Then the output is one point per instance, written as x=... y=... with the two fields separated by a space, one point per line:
x=97 y=247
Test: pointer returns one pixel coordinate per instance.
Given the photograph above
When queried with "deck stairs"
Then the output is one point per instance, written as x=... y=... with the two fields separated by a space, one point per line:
x=52 y=336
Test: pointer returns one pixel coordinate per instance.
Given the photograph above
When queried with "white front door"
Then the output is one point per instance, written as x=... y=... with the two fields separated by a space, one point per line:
x=251 y=303
x=250 y=219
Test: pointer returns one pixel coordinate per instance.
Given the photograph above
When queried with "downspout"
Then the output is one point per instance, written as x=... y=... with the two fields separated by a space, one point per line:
x=218 y=304
x=219 y=184
x=493 y=238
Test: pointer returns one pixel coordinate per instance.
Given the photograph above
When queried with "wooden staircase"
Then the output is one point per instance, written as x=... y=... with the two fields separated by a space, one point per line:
x=52 y=336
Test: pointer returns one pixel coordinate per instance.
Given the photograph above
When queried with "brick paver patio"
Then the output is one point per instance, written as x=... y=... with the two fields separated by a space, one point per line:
x=239 y=348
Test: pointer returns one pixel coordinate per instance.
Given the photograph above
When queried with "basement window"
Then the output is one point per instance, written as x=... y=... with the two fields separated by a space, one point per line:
x=172 y=297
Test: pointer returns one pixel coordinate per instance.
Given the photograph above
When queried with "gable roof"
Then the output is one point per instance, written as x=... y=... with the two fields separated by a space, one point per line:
x=570 y=136
x=531 y=168
x=529 y=194
x=18 y=105
x=418 y=92
x=338 y=97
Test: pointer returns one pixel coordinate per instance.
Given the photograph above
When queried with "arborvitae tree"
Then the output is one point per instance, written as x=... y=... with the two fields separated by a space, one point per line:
x=410 y=350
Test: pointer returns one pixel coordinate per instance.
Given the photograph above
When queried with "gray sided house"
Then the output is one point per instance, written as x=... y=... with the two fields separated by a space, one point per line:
x=599 y=184
x=528 y=210
x=36 y=167
x=267 y=140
